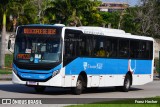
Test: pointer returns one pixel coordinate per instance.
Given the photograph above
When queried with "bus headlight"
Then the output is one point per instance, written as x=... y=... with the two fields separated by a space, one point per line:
x=55 y=73
x=14 y=70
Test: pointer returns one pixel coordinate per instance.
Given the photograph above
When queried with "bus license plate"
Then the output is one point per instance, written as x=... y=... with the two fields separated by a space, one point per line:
x=32 y=83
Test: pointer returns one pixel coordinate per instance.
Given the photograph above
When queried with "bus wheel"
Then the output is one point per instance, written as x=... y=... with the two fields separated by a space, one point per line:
x=40 y=89
x=127 y=83
x=79 y=86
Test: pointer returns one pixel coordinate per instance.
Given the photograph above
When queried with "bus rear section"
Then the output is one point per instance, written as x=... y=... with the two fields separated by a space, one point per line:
x=127 y=59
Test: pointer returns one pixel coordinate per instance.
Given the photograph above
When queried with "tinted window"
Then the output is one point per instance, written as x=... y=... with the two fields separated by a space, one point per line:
x=87 y=45
x=111 y=46
x=72 y=43
x=134 y=48
x=123 y=48
x=141 y=49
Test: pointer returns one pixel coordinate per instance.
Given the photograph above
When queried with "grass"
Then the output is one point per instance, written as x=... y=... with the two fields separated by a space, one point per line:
x=122 y=103
x=5 y=71
x=8 y=60
x=117 y=105
x=8 y=64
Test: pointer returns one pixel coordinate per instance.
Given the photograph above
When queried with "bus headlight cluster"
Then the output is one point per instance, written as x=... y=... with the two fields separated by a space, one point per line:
x=55 y=73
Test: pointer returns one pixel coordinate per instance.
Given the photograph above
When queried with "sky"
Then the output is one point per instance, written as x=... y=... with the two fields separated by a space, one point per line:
x=130 y=2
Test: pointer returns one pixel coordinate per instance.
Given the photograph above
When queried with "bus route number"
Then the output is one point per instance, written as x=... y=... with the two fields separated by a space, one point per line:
x=23 y=56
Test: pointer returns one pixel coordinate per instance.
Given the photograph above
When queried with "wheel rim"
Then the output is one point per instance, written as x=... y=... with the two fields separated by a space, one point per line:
x=79 y=84
x=127 y=84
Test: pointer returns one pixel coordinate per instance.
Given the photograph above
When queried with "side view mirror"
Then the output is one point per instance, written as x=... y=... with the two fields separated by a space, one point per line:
x=9 y=44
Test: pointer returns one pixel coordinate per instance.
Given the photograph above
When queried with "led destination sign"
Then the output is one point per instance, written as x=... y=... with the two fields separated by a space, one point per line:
x=39 y=31
x=23 y=56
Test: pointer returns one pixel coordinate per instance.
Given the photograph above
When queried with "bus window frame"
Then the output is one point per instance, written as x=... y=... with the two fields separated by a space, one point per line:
x=106 y=37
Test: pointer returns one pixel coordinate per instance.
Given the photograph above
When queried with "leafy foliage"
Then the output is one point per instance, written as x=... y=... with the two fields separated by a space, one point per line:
x=111 y=18
x=80 y=12
x=141 y=20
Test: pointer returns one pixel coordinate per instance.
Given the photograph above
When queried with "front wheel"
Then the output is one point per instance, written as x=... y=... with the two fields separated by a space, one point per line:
x=40 y=89
x=79 y=86
x=127 y=83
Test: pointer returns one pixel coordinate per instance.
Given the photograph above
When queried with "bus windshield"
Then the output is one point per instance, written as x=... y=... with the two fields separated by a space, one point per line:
x=37 y=48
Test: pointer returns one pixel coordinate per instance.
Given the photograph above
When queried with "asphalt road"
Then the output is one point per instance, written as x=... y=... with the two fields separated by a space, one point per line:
x=9 y=90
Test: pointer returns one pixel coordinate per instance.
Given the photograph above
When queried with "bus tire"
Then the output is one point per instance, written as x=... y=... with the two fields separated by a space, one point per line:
x=127 y=83
x=79 y=86
x=40 y=89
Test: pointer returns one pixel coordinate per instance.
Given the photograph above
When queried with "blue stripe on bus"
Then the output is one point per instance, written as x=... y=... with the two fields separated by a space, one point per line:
x=93 y=66
x=35 y=74
x=107 y=66
x=141 y=66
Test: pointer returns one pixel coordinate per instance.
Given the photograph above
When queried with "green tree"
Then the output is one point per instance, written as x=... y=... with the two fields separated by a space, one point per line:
x=40 y=7
x=76 y=11
x=24 y=12
x=130 y=23
x=7 y=8
x=58 y=12
x=147 y=15
x=111 y=18
x=92 y=16
x=3 y=5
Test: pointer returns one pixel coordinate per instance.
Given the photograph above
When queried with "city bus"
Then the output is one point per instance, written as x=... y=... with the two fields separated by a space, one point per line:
x=81 y=57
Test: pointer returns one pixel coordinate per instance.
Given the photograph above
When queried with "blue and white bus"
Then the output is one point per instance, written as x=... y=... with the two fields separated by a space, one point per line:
x=59 y=56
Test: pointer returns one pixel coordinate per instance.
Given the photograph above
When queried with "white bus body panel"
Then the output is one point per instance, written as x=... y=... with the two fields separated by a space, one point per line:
x=142 y=79
x=92 y=81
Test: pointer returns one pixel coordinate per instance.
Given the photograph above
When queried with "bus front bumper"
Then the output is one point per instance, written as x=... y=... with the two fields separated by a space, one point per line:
x=56 y=81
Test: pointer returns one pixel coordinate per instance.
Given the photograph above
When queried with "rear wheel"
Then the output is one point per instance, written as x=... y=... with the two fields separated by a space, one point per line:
x=79 y=86
x=40 y=89
x=127 y=83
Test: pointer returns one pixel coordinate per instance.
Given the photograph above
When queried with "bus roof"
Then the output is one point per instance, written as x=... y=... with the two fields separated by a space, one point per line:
x=109 y=32
x=99 y=31
x=49 y=25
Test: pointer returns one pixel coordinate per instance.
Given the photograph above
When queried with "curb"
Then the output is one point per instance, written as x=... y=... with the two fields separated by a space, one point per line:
x=6 y=79
x=156 y=79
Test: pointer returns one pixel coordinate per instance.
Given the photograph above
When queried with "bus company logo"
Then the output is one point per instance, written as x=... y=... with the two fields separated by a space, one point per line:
x=96 y=66
x=99 y=65
x=132 y=66
x=26 y=76
x=6 y=101
x=85 y=64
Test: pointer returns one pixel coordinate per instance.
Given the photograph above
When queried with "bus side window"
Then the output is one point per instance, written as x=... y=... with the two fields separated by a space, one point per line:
x=112 y=47
x=134 y=48
x=68 y=49
x=72 y=44
x=67 y=46
x=123 y=48
x=100 y=47
x=81 y=49
x=88 y=45
x=142 y=50
x=150 y=50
